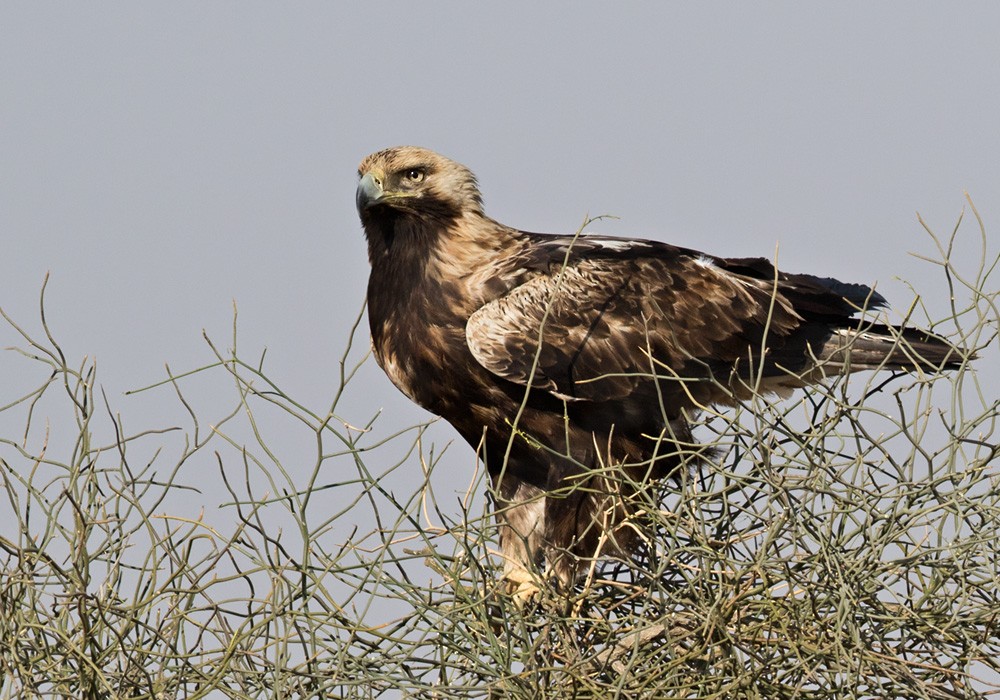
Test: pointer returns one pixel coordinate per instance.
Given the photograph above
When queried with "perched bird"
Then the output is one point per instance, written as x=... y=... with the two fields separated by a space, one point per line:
x=557 y=357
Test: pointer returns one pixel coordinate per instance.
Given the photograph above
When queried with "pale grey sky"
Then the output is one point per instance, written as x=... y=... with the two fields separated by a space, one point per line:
x=161 y=160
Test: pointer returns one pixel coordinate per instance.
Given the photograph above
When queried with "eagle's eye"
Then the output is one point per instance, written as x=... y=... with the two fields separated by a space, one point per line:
x=413 y=176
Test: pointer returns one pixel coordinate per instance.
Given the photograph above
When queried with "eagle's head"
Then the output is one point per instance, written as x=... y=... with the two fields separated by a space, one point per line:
x=413 y=181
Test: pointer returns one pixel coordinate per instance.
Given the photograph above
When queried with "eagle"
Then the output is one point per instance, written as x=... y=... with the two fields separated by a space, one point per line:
x=575 y=364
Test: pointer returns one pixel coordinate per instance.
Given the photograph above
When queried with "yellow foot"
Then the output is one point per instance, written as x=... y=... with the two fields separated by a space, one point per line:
x=523 y=587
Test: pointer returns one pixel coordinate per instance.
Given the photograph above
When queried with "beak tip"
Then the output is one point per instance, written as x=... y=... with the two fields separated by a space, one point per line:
x=369 y=192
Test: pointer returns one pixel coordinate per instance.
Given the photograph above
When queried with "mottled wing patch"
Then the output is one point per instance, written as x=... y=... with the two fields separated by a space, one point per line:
x=606 y=325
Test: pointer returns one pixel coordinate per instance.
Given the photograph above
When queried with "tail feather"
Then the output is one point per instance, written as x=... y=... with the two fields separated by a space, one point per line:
x=891 y=347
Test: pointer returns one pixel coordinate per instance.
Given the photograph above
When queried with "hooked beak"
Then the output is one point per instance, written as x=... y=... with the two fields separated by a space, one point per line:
x=369 y=191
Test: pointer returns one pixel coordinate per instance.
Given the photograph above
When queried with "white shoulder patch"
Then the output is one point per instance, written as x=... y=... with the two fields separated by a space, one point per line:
x=594 y=241
x=619 y=244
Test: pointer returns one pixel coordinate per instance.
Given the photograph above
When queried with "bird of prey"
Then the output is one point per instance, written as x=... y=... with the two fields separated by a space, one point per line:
x=560 y=357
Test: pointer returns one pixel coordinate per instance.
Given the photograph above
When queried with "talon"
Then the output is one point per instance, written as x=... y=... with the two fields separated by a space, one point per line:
x=525 y=593
x=522 y=587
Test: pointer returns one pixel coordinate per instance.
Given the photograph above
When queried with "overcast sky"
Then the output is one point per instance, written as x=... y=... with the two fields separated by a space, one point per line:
x=161 y=161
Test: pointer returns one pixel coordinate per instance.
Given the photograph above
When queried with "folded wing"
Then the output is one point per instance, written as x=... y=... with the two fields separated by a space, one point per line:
x=601 y=326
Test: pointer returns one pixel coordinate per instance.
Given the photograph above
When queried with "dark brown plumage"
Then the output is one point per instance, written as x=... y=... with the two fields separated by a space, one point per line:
x=601 y=349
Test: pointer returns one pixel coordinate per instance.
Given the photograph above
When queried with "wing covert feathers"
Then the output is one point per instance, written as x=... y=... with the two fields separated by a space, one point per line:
x=601 y=326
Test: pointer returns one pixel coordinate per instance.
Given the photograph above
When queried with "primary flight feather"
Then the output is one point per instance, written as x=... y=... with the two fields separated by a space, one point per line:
x=599 y=350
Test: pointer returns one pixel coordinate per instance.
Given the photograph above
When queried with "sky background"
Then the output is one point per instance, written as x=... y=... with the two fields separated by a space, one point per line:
x=160 y=161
